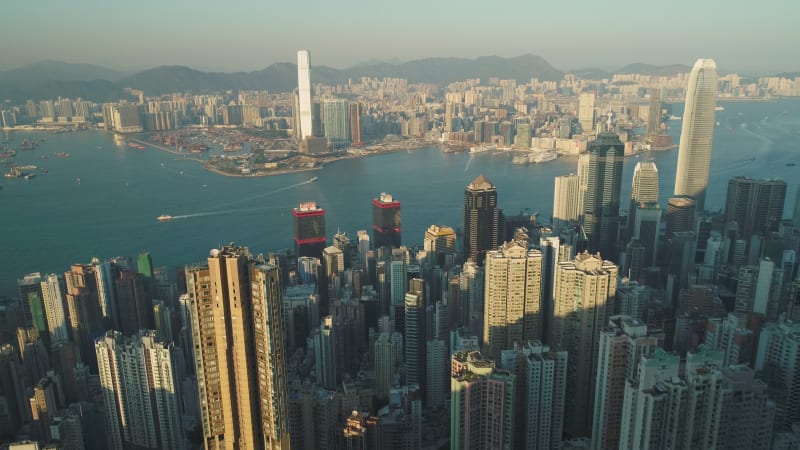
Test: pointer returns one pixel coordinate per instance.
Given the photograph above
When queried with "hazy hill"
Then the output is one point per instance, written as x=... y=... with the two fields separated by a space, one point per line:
x=650 y=69
x=59 y=71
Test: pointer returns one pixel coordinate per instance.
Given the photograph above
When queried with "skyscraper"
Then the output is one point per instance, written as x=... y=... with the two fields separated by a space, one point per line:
x=755 y=205
x=414 y=333
x=512 y=299
x=586 y=112
x=139 y=379
x=583 y=290
x=309 y=230
x=439 y=241
x=645 y=229
x=697 y=134
x=680 y=215
x=355 y=123
x=237 y=331
x=481 y=219
x=601 y=204
x=481 y=404
x=644 y=188
x=304 y=95
x=30 y=294
x=336 y=123
x=796 y=214
x=386 y=223
x=54 y=293
x=565 y=201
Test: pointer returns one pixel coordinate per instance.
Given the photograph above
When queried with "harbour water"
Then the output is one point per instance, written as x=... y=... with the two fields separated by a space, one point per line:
x=103 y=200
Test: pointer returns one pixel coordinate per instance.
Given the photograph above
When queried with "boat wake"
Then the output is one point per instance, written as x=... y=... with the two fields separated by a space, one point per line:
x=469 y=161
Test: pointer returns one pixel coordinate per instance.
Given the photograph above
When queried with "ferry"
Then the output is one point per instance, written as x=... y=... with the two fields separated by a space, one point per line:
x=482 y=148
x=164 y=218
x=719 y=108
x=313 y=179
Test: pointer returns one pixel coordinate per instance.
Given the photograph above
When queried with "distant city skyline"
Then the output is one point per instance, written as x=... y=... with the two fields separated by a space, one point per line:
x=250 y=35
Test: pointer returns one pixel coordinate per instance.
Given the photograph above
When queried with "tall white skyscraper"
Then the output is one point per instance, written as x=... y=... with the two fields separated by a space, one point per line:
x=586 y=112
x=512 y=298
x=138 y=377
x=565 y=201
x=305 y=117
x=53 y=294
x=583 y=182
x=697 y=134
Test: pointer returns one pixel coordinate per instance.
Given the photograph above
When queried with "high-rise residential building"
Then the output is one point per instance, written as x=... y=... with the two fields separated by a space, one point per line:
x=644 y=189
x=755 y=205
x=481 y=225
x=582 y=295
x=778 y=359
x=481 y=404
x=386 y=223
x=565 y=201
x=12 y=391
x=586 y=114
x=309 y=230
x=237 y=331
x=414 y=333
x=384 y=365
x=654 y=113
x=622 y=344
x=697 y=133
x=748 y=414
x=437 y=369
x=512 y=298
x=541 y=377
x=601 y=204
x=680 y=215
x=54 y=292
x=141 y=391
x=336 y=123
x=327 y=347
x=304 y=116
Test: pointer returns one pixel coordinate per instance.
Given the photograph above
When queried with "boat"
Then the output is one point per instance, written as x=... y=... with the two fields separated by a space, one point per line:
x=63 y=155
x=29 y=176
x=719 y=108
x=791 y=164
x=164 y=218
x=78 y=180
x=136 y=146
x=482 y=148
x=313 y=179
x=42 y=169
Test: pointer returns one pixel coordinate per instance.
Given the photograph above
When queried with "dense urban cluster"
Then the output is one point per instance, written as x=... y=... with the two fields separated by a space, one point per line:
x=617 y=325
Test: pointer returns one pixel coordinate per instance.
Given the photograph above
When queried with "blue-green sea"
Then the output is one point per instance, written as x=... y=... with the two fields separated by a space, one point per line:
x=53 y=220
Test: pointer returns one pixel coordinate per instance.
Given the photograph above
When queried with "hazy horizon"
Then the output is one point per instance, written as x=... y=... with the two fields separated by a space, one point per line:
x=248 y=36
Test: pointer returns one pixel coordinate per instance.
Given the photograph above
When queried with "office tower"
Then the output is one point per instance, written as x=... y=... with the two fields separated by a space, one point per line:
x=583 y=182
x=680 y=215
x=565 y=201
x=697 y=133
x=12 y=391
x=644 y=189
x=541 y=376
x=481 y=219
x=309 y=230
x=582 y=295
x=439 y=242
x=145 y=264
x=386 y=221
x=304 y=124
x=523 y=137
x=645 y=229
x=355 y=123
x=333 y=261
x=586 y=111
x=622 y=344
x=481 y=403
x=601 y=204
x=239 y=350
x=414 y=332
x=138 y=377
x=83 y=309
x=67 y=428
x=796 y=215
x=53 y=293
x=778 y=359
x=30 y=294
x=755 y=205
x=105 y=273
x=512 y=299
x=438 y=369
x=747 y=413
x=336 y=123
x=654 y=113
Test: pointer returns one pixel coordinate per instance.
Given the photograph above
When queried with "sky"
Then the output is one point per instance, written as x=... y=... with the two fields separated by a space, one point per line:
x=756 y=38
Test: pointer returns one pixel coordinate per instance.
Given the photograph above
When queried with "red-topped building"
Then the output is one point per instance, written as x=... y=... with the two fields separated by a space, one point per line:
x=309 y=230
x=386 y=221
